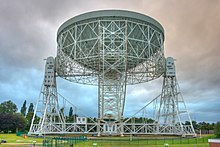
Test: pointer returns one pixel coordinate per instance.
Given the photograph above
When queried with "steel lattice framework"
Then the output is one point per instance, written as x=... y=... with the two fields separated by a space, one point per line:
x=116 y=44
x=110 y=49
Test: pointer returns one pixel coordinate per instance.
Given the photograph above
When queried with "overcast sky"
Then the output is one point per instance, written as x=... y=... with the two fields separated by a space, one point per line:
x=192 y=36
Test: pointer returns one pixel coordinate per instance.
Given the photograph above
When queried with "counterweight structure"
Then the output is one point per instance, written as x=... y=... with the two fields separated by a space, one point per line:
x=110 y=49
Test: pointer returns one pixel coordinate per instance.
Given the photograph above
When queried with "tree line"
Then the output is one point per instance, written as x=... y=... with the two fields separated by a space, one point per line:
x=12 y=120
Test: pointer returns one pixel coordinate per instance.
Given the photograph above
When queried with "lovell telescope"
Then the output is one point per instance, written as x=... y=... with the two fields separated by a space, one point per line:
x=111 y=49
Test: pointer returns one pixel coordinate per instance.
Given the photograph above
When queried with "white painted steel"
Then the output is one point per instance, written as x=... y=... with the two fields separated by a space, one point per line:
x=110 y=49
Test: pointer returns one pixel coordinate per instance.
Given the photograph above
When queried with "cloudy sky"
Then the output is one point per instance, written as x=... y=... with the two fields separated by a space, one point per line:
x=192 y=36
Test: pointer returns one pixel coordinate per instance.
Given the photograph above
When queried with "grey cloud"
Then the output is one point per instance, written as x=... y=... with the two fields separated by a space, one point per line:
x=195 y=41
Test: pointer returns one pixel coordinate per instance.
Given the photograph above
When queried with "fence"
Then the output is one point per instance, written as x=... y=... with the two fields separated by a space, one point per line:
x=141 y=142
x=82 y=141
x=63 y=141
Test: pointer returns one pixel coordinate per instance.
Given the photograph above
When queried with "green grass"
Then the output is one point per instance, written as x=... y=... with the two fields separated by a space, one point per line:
x=107 y=144
x=142 y=142
x=147 y=141
x=135 y=144
x=12 y=138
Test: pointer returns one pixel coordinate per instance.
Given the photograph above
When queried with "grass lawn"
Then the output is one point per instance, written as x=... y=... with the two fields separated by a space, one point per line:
x=13 y=139
x=147 y=142
x=89 y=143
x=115 y=144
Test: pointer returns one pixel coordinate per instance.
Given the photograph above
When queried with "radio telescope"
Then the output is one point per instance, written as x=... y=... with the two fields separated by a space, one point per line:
x=110 y=49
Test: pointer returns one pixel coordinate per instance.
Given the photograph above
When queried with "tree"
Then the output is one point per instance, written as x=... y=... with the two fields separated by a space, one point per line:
x=203 y=126
x=62 y=111
x=149 y=120
x=71 y=112
x=29 y=115
x=12 y=122
x=8 y=107
x=195 y=125
x=70 y=119
x=217 y=129
x=20 y=122
x=23 y=109
x=31 y=108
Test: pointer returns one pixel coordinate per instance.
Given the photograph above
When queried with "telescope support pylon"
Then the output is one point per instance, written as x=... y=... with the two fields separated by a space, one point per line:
x=47 y=107
x=172 y=108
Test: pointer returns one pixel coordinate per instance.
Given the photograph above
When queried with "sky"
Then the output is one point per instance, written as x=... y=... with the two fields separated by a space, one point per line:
x=28 y=30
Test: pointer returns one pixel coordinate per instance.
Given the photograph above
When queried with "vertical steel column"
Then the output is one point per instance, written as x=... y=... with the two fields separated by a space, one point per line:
x=112 y=74
x=99 y=83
